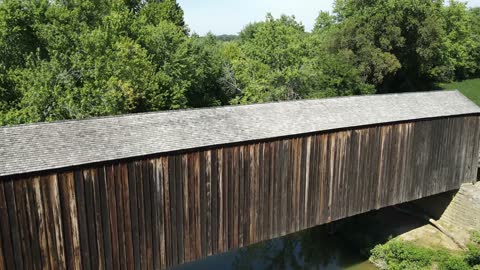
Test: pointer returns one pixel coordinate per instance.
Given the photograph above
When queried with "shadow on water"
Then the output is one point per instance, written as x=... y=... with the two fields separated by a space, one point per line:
x=314 y=248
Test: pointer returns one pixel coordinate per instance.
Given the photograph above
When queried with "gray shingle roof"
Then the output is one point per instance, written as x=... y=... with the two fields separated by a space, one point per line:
x=44 y=146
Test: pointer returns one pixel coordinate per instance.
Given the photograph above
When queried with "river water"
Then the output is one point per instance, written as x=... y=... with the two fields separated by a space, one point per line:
x=314 y=248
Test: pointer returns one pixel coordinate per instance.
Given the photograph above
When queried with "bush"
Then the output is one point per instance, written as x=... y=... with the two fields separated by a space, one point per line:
x=454 y=263
x=475 y=237
x=396 y=255
x=402 y=255
x=472 y=256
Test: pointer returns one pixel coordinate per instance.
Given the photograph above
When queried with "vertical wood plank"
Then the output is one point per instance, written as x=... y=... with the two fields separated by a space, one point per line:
x=34 y=224
x=190 y=184
x=82 y=219
x=95 y=176
x=132 y=186
x=229 y=198
x=203 y=204
x=208 y=200
x=147 y=180
x=197 y=196
x=214 y=205
x=166 y=185
x=2 y=256
x=14 y=225
x=186 y=210
x=102 y=208
x=156 y=205
x=173 y=212
x=220 y=201
x=261 y=192
x=141 y=214
x=7 y=244
x=21 y=212
x=90 y=180
x=51 y=206
x=179 y=208
x=70 y=220
x=161 y=210
x=119 y=200
x=241 y=197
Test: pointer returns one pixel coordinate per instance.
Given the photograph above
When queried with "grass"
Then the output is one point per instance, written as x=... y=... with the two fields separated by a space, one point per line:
x=470 y=88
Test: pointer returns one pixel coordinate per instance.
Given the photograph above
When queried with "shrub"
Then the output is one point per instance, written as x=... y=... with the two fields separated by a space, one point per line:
x=472 y=256
x=396 y=255
x=402 y=255
x=454 y=263
x=475 y=237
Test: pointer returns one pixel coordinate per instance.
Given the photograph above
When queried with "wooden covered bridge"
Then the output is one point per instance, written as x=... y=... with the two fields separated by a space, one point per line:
x=148 y=191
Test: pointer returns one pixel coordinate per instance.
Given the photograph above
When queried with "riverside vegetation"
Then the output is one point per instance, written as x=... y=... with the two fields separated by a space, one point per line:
x=397 y=255
x=75 y=59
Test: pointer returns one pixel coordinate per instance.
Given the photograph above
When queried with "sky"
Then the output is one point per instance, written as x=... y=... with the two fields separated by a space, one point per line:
x=230 y=16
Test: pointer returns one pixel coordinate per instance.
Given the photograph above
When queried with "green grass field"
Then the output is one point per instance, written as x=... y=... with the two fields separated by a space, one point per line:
x=470 y=88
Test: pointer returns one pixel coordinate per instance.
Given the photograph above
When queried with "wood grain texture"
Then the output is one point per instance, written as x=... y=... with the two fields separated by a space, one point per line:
x=160 y=211
x=69 y=221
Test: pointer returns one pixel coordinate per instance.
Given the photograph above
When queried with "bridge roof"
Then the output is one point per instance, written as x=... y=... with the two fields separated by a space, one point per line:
x=45 y=146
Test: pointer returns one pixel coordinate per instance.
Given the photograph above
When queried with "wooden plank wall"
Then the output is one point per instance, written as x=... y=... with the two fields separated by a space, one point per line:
x=163 y=211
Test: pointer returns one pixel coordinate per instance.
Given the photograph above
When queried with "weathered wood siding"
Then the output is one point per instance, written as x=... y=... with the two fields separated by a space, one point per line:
x=161 y=211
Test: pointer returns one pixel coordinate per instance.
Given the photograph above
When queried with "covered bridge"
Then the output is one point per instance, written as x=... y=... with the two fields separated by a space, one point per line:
x=148 y=191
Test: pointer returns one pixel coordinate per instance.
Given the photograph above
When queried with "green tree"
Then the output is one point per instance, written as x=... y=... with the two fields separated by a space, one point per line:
x=323 y=22
x=154 y=12
x=277 y=60
x=17 y=35
x=462 y=45
x=475 y=31
x=206 y=87
x=403 y=45
x=62 y=59
x=77 y=59
x=17 y=41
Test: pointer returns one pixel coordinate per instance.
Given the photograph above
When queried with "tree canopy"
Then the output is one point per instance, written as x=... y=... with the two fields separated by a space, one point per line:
x=74 y=59
x=404 y=45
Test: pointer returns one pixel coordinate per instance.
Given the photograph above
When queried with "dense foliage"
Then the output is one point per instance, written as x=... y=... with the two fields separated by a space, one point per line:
x=73 y=59
x=398 y=254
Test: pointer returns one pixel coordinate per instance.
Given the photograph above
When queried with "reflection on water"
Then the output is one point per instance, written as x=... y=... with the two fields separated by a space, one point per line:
x=309 y=249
